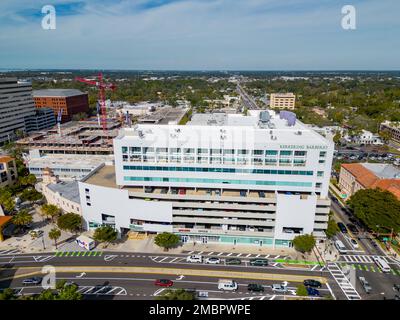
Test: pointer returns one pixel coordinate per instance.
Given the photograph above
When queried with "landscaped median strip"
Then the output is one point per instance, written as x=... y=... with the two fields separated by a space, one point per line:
x=175 y=272
x=310 y=263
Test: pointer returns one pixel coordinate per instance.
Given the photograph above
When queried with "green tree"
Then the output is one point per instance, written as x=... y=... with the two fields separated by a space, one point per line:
x=304 y=243
x=105 y=234
x=30 y=194
x=166 y=240
x=337 y=137
x=47 y=294
x=22 y=218
x=301 y=291
x=332 y=227
x=55 y=234
x=378 y=210
x=178 y=294
x=50 y=210
x=70 y=222
x=28 y=180
x=69 y=292
x=7 y=294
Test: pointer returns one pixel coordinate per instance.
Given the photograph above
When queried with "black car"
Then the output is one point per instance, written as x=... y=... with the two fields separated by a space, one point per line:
x=32 y=281
x=342 y=227
x=259 y=262
x=233 y=261
x=255 y=287
x=352 y=228
x=312 y=283
x=243 y=193
x=261 y=194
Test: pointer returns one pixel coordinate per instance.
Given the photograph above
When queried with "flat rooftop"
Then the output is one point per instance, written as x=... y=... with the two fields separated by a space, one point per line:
x=70 y=160
x=383 y=171
x=68 y=190
x=164 y=115
x=104 y=177
x=57 y=93
x=233 y=129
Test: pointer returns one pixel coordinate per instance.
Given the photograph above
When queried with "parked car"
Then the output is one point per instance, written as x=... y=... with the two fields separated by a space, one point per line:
x=354 y=243
x=32 y=281
x=227 y=285
x=255 y=287
x=213 y=260
x=233 y=261
x=148 y=189
x=352 y=228
x=196 y=258
x=217 y=192
x=164 y=191
x=261 y=194
x=164 y=283
x=259 y=262
x=278 y=287
x=396 y=287
x=342 y=227
x=312 y=283
x=312 y=291
x=243 y=193
x=174 y=191
x=182 y=191
x=365 y=284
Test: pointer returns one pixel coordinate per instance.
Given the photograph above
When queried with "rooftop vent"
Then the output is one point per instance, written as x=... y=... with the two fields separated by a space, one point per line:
x=290 y=117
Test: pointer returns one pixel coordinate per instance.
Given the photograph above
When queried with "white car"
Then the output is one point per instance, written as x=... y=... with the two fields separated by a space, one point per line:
x=196 y=258
x=278 y=287
x=213 y=260
x=354 y=243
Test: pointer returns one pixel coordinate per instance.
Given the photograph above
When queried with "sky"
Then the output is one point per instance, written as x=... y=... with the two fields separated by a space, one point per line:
x=200 y=35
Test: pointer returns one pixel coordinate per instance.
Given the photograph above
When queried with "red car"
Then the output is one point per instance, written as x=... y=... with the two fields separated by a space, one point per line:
x=164 y=283
x=182 y=191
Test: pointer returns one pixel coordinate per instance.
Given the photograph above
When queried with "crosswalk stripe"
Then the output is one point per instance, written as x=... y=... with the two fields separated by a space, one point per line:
x=267 y=256
x=209 y=254
x=219 y=254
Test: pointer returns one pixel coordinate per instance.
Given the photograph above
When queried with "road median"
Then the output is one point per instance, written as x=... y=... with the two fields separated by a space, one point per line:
x=172 y=271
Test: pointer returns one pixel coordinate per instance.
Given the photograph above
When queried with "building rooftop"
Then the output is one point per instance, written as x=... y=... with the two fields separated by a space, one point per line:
x=383 y=171
x=69 y=160
x=104 y=176
x=211 y=130
x=4 y=159
x=68 y=190
x=57 y=93
x=375 y=175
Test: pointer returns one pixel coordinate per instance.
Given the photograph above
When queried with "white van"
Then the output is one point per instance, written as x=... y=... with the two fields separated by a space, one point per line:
x=227 y=285
x=340 y=246
x=196 y=258
x=86 y=242
x=382 y=264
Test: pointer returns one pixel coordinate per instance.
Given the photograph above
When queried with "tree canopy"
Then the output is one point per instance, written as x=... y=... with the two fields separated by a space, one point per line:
x=378 y=210
x=166 y=240
x=178 y=294
x=70 y=222
x=105 y=234
x=22 y=218
x=304 y=243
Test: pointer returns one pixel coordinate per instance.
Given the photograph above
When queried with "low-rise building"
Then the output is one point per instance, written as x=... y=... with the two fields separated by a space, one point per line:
x=367 y=137
x=393 y=128
x=357 y=176
x=68 y=101
x=65 y=166
x=63 y=194
x=282 y=100
x=8 y=171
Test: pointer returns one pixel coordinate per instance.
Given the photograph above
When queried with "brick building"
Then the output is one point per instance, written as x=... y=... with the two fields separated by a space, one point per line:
x=69 y=101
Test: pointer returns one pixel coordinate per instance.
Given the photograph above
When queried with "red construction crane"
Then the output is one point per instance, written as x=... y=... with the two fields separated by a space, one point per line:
x=102 y=95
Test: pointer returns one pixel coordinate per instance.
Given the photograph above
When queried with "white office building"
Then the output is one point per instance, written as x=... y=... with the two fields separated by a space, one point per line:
x=260 y=179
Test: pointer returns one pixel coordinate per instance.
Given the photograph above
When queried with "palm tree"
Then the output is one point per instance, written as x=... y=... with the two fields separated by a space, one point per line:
x=50 y=210
x=55 y=234
x=22 y=218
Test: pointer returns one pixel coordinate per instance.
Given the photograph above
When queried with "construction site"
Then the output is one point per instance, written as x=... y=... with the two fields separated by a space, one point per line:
x=83 y=137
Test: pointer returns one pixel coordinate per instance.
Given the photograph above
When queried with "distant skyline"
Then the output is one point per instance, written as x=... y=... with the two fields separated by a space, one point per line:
x=200 y=35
